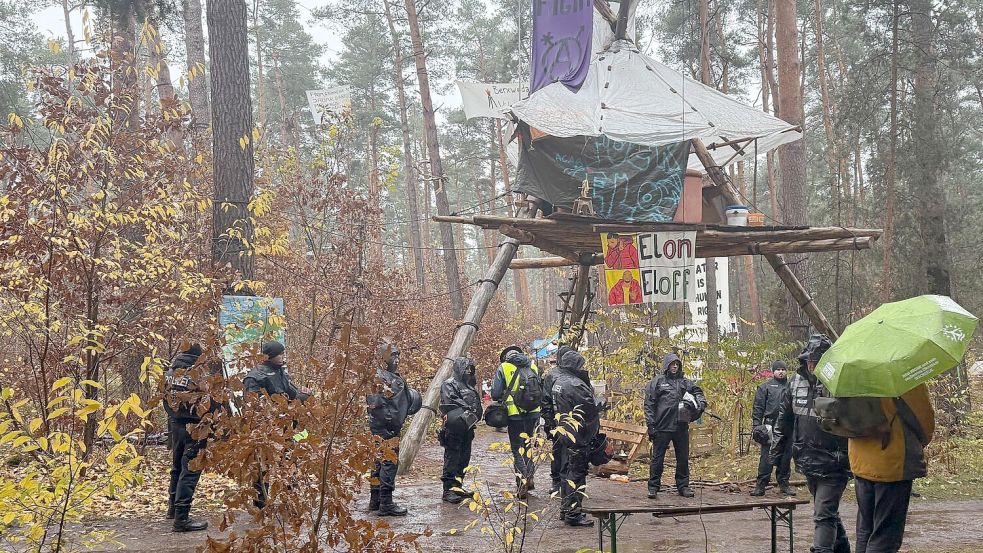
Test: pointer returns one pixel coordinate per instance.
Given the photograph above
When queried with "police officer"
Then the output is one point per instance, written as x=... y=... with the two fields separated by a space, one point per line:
x=549 y=419
x=767 y=398
x=521 y=421
x=388 y=408
x=820 y=456
x=461 y=406
x=671 y=402
x=271 y=377
x=578 y=424
x=183 y=409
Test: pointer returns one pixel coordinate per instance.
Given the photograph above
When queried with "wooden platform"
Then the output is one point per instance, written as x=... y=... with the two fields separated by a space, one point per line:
x=578 y=239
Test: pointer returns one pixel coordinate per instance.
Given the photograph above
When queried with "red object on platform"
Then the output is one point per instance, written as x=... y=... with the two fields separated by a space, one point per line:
x=690 y=208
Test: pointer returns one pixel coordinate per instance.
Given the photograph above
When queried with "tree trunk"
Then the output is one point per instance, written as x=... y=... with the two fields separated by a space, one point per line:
x=69 y=34
x=436 y=168
x=165 y=86
x=749 y=273
x=194 y=43
x=890 y=167
x=232 y=125
x=765 y=45
x=713 y=327
x=408 y=173
x=793 y=200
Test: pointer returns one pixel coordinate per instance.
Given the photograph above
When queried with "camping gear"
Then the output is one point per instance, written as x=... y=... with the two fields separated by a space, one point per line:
x=897 y=347
x=496 y=415
x=852 y=417
x=528 y=394
x=737 y=215
x=460 y=420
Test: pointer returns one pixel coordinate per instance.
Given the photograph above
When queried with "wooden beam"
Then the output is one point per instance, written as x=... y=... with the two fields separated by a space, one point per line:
x=526 y=237
x=777 y=261
x=579 y=299
x=463 y=336
x=549 y=262
x=453 y=219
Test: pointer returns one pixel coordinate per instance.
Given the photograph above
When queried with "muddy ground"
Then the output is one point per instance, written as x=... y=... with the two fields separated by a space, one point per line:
x=933 y=526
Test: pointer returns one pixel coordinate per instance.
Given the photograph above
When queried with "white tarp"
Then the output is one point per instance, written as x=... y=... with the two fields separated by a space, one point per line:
x=630 y=97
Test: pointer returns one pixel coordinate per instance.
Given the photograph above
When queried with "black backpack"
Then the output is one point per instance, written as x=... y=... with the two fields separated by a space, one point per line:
x=528 y=395
x=852 y=417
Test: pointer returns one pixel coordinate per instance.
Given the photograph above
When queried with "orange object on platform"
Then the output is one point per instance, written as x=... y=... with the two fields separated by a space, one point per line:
x=690 y=208
x=755 y=219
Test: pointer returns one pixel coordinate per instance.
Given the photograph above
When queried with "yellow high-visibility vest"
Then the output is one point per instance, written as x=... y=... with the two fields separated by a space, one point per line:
x=508 y=369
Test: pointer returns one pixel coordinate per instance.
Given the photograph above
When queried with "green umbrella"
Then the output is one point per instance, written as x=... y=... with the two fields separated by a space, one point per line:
x=897 y=347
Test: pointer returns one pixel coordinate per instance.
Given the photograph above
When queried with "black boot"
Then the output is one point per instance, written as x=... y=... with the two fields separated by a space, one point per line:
x=759 y=489
x=786 y=489
x=579 y=520
x=388 y=508
x=685 y=491
x=170 y=509
x=182 y=523
x=374 y=499
x=452 y=497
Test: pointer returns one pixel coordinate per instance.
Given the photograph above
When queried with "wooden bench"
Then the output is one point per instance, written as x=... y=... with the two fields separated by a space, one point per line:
x=611 y=513
x=626 y=436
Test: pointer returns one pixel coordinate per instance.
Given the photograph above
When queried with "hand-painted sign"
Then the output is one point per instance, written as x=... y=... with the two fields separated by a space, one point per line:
x=649 y=267
x=698 y=308
x=628 y=182
x=490 y=99
x=328 y=102
x=562 y=31
x=248 y=321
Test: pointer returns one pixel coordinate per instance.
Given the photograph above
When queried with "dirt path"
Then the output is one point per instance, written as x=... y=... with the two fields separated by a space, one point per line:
x=933 y=526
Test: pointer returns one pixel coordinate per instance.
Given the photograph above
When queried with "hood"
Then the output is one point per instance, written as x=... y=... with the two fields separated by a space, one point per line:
x=561 y=351
x=389 y=353
x=520 y=360
x=668 y=360
x=461 y=372
x=573 y=362
x=184 y=360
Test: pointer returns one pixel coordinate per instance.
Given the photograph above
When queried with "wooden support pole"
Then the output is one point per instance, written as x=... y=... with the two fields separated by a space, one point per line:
x=463 y=336
x=581 y=287
x=777 y=261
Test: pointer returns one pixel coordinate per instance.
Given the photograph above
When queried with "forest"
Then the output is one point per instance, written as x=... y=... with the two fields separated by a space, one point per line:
x=160 y=159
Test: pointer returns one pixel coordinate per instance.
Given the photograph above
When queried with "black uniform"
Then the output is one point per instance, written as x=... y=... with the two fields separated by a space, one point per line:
x=461 y=405
x=387 y=410
x=667 y=418
x=767 y=399
x=571 y=392
x=274 y=380
x=183 y=409
x=549 y=422
x=820 y=456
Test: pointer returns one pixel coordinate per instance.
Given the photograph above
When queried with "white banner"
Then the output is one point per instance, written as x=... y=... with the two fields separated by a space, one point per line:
x=698 y=308
x=649 y=267
x=490 y=99
x=328 y=101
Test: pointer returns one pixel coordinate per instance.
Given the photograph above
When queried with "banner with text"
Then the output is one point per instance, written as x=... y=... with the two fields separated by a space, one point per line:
x=698 y=308
x=649 y=267
x=328 y=102
x=490 y=99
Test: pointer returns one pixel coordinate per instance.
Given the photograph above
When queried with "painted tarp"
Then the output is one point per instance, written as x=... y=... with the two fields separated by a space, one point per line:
x=628 y=182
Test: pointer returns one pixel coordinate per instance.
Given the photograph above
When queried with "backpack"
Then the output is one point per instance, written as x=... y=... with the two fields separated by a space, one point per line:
x=529 y=394
x=852 y=417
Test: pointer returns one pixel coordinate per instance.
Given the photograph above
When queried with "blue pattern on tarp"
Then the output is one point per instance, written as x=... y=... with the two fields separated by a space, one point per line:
x=628 y=181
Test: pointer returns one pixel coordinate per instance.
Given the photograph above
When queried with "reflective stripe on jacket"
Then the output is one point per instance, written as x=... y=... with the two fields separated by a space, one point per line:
x=903 y=456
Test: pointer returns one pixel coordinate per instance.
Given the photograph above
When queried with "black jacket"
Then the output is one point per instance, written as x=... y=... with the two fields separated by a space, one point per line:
x=571 y=390
x=273 y=379
x=767 y=398
x=457 y=392
x=816 y=453
x=663 y=394
x=546 y=406
x=389 y=408
x=177 y=381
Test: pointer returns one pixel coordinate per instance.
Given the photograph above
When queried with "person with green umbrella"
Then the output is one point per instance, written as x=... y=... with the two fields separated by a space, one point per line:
x=819 y=455
x=886 y=465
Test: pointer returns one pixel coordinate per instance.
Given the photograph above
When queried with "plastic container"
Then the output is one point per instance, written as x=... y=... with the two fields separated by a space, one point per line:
x=755 y=219
x=737 y=215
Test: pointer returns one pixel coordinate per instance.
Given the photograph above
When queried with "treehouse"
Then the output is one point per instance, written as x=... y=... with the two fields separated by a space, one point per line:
x=637 y=148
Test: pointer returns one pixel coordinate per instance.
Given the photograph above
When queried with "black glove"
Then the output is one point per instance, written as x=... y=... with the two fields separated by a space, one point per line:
x=760 y=434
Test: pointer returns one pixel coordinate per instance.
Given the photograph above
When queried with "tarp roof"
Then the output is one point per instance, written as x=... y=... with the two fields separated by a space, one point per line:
x=631 y=97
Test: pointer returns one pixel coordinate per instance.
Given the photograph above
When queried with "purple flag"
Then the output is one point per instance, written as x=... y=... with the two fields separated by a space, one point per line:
x=561 y=48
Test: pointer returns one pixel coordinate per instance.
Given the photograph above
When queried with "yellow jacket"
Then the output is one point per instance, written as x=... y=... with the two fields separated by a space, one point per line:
x=902 y=457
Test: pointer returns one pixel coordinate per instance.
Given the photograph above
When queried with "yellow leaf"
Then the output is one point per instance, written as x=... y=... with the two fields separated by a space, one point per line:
x=61 y=382
x=34 y=425
x=57 y=412
x=255 y=134
x=92 y=383
x=54 y=46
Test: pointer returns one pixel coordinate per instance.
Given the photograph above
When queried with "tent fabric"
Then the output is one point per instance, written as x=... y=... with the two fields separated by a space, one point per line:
x=630 y=97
